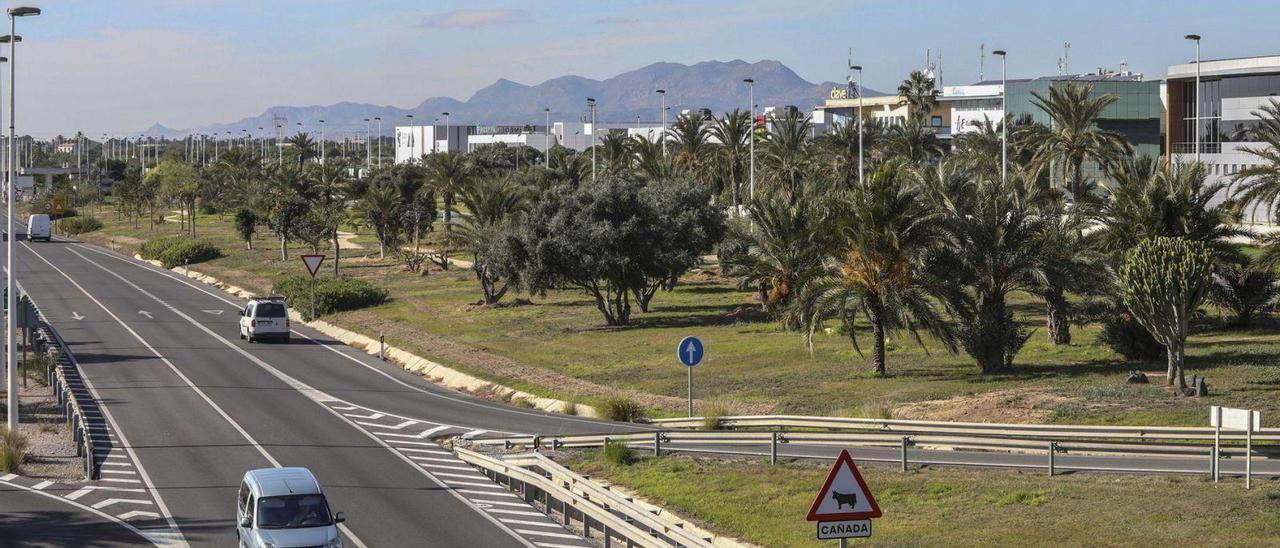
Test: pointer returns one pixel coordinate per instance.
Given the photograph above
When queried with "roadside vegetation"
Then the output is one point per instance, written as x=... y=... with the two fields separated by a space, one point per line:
x=950 y=507
x=930 y=285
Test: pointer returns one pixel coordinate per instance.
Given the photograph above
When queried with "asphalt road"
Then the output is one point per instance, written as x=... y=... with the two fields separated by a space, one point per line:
x=198 y=407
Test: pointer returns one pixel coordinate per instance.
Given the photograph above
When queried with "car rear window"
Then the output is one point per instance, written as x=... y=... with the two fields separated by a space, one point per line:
x=270 y=310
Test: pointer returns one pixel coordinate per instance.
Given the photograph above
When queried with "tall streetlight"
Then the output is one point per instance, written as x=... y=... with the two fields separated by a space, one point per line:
x=368 y=147
x=546 y=140
x=663 y=136
x=448 y=141
x=379 y=119
x=322 y=147
x=859 y=90
x=751 y=135
x=1196 y=38
x=11 y=358
x=591 y=104
x=262 y=142
x=1004 y=115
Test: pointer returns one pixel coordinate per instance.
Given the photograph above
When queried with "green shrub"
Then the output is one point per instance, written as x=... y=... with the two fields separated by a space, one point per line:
x=569 y=408
x=151 y=249
x=79 y=225
x=1125 y=336
x=13 y=449
x=711 y=417
x=188 y=252
x=617 y=453
x=622 y=409
x=332 y=294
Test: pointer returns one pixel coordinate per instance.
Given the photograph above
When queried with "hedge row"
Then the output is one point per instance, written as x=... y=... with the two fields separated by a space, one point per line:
x=173 y=251
x=79 y=225
x=332 y=294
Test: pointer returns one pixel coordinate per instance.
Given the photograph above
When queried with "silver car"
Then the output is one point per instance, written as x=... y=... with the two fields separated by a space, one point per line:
x=285 y=508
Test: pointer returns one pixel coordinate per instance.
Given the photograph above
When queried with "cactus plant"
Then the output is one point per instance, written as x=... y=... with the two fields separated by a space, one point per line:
x=1164 y=280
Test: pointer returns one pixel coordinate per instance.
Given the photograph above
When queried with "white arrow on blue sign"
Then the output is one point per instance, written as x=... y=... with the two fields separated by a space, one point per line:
x=690 y=351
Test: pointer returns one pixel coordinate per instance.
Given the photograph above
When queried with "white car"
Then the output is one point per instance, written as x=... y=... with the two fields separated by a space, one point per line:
x=265 y=318
x=285 y=508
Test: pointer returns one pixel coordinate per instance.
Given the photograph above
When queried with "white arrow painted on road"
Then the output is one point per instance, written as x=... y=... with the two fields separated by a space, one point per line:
x=139 y=514
x=145 y=313
x=76 y=316
x=214 y=312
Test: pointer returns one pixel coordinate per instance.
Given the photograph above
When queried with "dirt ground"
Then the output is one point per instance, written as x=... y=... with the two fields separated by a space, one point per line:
x=51 y=453
x=1019 y=405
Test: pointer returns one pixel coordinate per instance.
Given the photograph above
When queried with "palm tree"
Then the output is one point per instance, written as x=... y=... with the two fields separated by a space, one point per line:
x=615 y=150
x=448 y=173
x=493 y=202
x=1259 y=185
x=1074 y=136
x=785 y=250
x=921 y=95
x=978 y=151
x=332 y=193
x=302 y=147
x=786 y=153
x=912 y=143
x=380 y=208
x=731 y=157
x=840 y=148
x=650 y=161
x=287 y=196
x=878 y=264
x=1245 y=290
x=568 y=166
x=691 y=149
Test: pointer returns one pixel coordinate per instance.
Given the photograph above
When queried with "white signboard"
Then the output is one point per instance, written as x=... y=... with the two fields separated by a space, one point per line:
x=1235 y=419
x=858 y=528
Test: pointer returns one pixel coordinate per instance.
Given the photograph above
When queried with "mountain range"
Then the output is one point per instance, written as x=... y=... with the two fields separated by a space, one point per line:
x=716 y=85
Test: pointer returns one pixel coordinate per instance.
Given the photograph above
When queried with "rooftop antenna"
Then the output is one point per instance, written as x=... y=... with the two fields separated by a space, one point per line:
x=1123 y=67
x=939 y=81
x=982 y=62
x=853 y=89
x=1063 y=62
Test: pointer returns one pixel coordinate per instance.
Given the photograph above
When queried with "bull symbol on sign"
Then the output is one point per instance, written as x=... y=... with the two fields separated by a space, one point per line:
x=842 y=499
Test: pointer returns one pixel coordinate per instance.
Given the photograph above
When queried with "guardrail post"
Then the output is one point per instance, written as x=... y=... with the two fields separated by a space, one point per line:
x=657 y=444
x=78 y=438
x=382 y=347
x=1053 y=448
x=773 y=448
x=905 y=441
x=608 y=538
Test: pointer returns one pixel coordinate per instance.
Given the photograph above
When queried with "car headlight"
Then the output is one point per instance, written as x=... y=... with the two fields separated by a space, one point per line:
x=335 y=542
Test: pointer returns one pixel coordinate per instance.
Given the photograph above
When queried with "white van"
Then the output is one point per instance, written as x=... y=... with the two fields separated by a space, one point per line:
x=38 y=227
x=284 y=507
x=265 y=318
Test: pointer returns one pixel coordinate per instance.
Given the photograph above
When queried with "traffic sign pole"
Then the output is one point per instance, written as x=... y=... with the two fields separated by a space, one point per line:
x=690 y=370
x=689 y=352
x=313 y=298
x=312 y=262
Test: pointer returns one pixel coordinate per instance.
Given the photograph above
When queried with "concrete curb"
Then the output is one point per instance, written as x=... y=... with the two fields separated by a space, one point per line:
x=432 y=371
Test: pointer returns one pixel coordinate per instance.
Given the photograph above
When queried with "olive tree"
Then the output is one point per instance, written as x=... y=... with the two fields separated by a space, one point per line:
x=1164 y=280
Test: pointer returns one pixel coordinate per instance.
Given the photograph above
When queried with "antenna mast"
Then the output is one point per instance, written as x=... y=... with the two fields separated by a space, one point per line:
x=982 y=62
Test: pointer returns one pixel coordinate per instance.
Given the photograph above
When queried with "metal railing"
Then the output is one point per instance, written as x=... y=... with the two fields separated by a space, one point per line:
x=1190 y=148
x=69 y=390
x=538 y=486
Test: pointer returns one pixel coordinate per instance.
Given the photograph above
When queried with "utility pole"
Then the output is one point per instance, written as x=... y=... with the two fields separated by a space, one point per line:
x=591 y=104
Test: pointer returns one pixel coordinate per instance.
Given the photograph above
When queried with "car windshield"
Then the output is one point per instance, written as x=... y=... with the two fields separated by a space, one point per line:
x=270 y=310
x=293 y=511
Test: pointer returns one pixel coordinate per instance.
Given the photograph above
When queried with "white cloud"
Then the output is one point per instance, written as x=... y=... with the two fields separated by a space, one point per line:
x=473 y=19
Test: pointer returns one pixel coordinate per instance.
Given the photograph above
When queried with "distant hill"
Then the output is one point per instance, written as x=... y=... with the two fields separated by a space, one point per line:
x=710 y=84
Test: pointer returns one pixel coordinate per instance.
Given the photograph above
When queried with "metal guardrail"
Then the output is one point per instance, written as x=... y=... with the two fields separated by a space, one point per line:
x=69 y=390
x=610 y=500
x=530 y=484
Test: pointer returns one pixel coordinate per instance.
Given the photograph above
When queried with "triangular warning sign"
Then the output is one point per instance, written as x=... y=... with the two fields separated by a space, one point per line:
x=313 y=263
x=844 y=496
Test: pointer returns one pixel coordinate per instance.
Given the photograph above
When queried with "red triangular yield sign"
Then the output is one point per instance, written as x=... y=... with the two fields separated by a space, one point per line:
x=845 y=495
x=313 y=263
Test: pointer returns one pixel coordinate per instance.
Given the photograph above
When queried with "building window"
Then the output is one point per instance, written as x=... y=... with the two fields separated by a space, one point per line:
x=935 y=121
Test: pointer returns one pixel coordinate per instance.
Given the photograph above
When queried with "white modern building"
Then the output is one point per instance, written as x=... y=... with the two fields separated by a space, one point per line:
x=536 y=137
x=973 y=105
x=412 y=142
x=1230 y=92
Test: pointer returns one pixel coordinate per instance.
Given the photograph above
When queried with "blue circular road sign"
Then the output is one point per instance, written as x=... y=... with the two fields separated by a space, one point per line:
x=690 y=351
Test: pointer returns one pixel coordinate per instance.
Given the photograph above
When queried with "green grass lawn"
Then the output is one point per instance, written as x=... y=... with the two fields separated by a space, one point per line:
x=956 y=507
x=557 y=346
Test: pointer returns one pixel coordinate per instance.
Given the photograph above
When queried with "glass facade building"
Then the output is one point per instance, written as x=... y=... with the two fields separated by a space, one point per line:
x=1136 y=114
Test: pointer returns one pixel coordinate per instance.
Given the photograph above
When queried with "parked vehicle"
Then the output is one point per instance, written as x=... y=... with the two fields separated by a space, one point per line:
x=38 y=227
x=265 y=318
x=285 y=508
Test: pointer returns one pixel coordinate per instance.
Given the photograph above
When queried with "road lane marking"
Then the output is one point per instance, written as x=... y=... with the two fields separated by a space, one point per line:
x=433 y=459
x=320 y=398
x=533 y=523
x=473 y=484
x=8 y=477
x=516 y=512
x=486 y=493
x=400 y=426
x=138 y=514
x=502 y=502
x=158 y=538
x=91 y=488
x=431 y=451
x=428 y=432
x=443 y=467
x=109 y=502
x=545 y=534
x=42 y=485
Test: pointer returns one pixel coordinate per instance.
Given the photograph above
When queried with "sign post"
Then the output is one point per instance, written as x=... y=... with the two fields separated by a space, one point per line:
x=689 y=351
x=1235 y=419
x=844 y=507
x=313 y=266
x=58 y=205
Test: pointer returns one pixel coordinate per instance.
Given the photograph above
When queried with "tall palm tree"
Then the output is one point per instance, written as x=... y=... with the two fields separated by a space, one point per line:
x=1259 y=185
x=877 y=264
x=978 y=151
x=650 y=161
x=785 y=250
x=786 y=153
x=493 y=202
x=303 y=147
x=448 y=172
x=615 y=150
x=840 y=148
x=731 y=157
x=1073 y=136
x=691 y=148
x=380 y=209
x=920 y=94
x=913 y=143
x=568 y=166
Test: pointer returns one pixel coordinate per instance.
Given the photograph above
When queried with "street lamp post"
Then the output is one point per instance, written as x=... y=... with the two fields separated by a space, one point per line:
x=1196 y=38
x=751 y=135
x=448 y=141
x=322 y=156
x=859 y=90
x=368 y=147
x=11 y=357
x=1004 y=115
x=591 y=104
x=546 y=140
x=663 y=136
x=379 y=119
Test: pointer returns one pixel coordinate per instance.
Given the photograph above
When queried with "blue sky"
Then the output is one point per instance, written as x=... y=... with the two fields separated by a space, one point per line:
x=119 y=66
